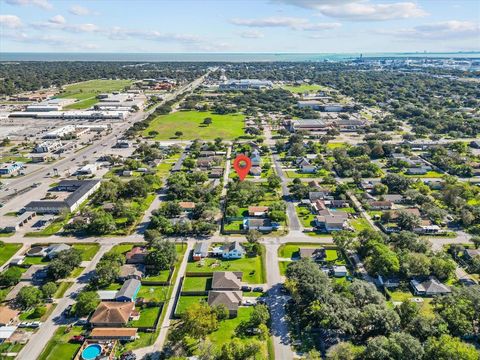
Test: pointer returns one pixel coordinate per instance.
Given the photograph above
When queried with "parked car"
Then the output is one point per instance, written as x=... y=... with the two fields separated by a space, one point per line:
x=261 y=300
x=79 y=339
x=246 y=288
x=248 y=303
x=258 y=289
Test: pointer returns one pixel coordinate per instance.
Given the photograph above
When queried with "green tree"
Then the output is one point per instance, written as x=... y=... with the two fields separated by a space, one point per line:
x=199 y=320
x=162 y=256
x=235 y=349
x=11 y=276
x=260 y=315
x=106 y=272
x=87 y=302
x=28 y=296
x=345 y=351
x=48 y=289
x=178 y=134
x=207 y=120
x=274 y=181
x=64 y=263
x=447 y=347
x=344 y=239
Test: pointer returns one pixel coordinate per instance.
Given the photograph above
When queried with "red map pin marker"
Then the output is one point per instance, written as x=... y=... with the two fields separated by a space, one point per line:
x=242 y=165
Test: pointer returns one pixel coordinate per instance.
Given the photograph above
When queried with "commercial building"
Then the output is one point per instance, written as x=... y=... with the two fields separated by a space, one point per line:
x=71 y=115
x=80 y=191
x=245 y=84
x=60 y=132
x=43 y=108
x=10 y=168
x=47 y=146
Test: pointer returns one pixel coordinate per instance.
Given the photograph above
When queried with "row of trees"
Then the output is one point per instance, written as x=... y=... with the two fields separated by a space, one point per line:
x=357 y=314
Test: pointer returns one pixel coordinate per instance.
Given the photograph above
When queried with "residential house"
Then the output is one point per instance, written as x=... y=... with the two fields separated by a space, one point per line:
x=317 y=255
x=200 y=250
x=130 y=271
x=255 y=158
x=305 y=165
x=227 y=280
x=233 y=250
x=394 y=198
x=53 y=250
x=226 y=291
x=187 y=206
x=262 y=224
x=255 y=171
x=216 y=173
x=429 y=287
x=129 y=291
x=380 y=205
x=418 y=171
x=317 y=206
x=136 y=256
x=329 y=221
x=340 y=271
x=112 y=314
x=257 y=211
x=320 y=194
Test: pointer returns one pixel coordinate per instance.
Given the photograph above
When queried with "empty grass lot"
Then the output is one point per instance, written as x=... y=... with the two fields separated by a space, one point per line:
x=227 y=127
x=300 y=89
x=197 y=283
x=7 y=251
x=250 y=266
x=88 y=251
x=360 y=224
x=85 y=92
x=184 y=302
x=59 y=347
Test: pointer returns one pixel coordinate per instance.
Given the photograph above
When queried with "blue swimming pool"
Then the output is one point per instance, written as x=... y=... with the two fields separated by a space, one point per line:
x=91 y=352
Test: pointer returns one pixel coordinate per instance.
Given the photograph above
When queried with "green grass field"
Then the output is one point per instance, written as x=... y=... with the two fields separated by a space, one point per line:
x=88 y=250
x=227 y=127
x=62 y=288
x=184 y=302
x=305 y=216
x=7 y=251
x=148 y=316
x=59 y=347
x=197 y=283
x=300 y=89
x=251 y=267
x=360 y=224
x=87 y=91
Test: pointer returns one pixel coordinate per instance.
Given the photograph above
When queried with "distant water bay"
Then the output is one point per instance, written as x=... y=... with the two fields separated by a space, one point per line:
x=218 y=57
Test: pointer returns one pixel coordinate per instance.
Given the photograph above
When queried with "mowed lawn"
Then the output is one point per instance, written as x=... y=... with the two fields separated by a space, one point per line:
x=250 y=266
x=87 y=91
x=300 y=89
x=7 y=251
x=59 y=346
x=190 y=123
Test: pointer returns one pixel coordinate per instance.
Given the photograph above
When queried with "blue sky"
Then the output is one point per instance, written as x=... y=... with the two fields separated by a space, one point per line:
x=320 y=26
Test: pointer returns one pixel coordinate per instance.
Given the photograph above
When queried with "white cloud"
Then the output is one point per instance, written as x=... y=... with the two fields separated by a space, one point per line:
x=59 y=23
x=118 y=33
x=44 y=4
x=452 y=29
x=10 y=21
x=35 y=39
x=361 y=10
x=287 y=22
x=251 y=34
x=79 y=10
x=57 y=19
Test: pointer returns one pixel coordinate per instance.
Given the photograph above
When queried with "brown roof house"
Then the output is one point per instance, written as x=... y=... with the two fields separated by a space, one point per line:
x=112 y=314
x=257 y=210
x=312 y=253
x=136 y=256
x=226 y=291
